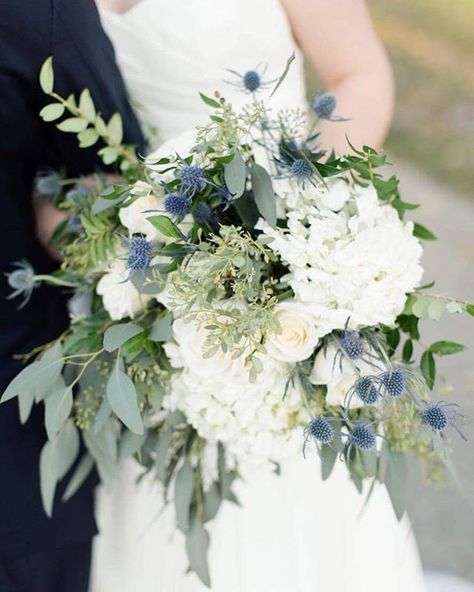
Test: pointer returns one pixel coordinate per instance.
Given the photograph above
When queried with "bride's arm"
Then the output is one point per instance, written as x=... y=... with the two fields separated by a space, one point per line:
x=338 y=39
x=118 y=6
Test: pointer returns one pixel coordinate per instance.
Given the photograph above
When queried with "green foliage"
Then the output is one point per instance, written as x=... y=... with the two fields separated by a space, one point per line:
x=263 y=193
x=116 y=335
x=122 y=396
x=84 y=121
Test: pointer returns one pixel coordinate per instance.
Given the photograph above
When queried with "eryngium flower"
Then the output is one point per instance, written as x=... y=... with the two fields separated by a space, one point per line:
x=362 y=437
x=139 y=256
x=177 y=205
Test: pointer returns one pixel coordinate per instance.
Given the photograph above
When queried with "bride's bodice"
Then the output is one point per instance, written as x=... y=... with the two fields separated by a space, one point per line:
x=170 y=50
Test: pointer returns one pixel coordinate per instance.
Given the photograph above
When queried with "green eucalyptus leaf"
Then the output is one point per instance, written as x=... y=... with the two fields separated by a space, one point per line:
x=25 y=404
x=428 y=368
x=72 y=125
x=58 y=406
x=395 y=481
x=263 y=194
x=46 y=76
x=130 y=444
x=212 y=502
x=197 y=545
x=247 y=210
x=446 y=348
x=162 y=447
x=183 y=495
x=235 y=175
x=162 y=329
x=86 y=105
x=115 y=128
x=48 y=469
x=105 y=411
x=68 y=444
x=56 y=458
x=52 y=112
x=103 y=448
x=328 y=460
x=117 y=335
x=82 y=471
x=122 y=397
x=38 y=375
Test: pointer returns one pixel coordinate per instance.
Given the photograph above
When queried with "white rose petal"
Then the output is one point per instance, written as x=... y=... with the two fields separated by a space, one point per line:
x=120 y=297
x=298 y=336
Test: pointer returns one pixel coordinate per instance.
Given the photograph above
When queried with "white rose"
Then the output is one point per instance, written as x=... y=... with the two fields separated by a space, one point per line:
x=134 y=217
x=339 y=375
x=190 y=338
x=298 y=336
x=120 y=297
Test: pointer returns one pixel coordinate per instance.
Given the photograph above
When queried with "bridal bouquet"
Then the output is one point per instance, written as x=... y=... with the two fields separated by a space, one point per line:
x=240 y=298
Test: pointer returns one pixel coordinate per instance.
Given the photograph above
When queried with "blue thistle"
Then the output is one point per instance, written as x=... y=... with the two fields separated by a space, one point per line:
x=324 y=105
x=394 y=382
x=192 y=178
x=301 y=169
x=78 y=194
x=177 y=205
x=366 y=390
x=320 y=429
x=203 y=213
x=23 y=281
x=362 y=437
x=252 y=80
x=140 y=253
x=353 y=345
x=48 y=185
x=435 y=417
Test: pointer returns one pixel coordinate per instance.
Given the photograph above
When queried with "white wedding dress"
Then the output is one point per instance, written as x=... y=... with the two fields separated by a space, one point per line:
x=293 y=533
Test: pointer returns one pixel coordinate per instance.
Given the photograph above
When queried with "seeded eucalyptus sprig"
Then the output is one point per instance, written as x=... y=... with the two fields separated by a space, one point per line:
x=86 y=122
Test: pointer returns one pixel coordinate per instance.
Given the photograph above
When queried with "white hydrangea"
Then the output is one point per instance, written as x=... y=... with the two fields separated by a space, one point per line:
x=359 y=262
x=253 y=420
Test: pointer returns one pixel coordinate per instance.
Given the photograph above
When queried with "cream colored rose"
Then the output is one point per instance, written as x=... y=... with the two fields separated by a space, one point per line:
x=120 y=297
x=339 y=375
x=298 y=335
x=134 y=217
x=191 y=337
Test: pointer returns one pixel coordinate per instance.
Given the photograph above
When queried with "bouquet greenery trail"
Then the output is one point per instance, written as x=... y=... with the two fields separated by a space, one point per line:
x=239 y=297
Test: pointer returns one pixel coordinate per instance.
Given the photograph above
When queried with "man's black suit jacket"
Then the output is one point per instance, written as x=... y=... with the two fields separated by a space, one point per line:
x=30 y=31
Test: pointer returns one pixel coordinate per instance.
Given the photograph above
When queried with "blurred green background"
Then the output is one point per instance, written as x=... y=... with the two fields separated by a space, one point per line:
x=431 y=45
